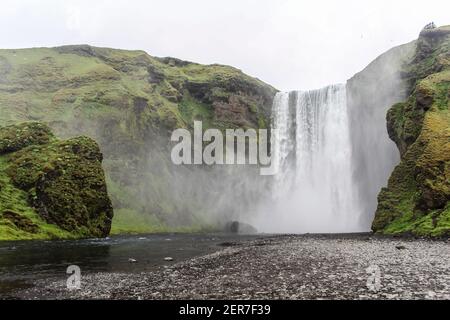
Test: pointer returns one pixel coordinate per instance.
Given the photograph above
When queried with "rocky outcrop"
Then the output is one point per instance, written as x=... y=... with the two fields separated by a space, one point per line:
x=416 y=200
x=236 y=227
x=51 y=188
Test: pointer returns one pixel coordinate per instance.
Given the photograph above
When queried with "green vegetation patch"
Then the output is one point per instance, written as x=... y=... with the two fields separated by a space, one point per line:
x=51 y=189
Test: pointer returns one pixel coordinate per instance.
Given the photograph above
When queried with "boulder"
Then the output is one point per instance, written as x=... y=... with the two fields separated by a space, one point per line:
x=237 y=227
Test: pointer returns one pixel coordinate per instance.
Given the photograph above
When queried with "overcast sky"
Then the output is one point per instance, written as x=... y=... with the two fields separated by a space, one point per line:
x=291 y=44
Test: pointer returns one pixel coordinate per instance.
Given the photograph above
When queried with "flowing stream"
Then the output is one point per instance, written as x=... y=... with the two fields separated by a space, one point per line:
x=24 y=263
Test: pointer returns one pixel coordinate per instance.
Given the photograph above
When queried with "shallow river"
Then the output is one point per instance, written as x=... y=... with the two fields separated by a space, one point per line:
x=22 y=263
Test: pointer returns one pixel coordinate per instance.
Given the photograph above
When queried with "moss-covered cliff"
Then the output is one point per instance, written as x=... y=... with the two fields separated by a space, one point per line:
x=416 y=200
x=51 y=188
x=129 y=102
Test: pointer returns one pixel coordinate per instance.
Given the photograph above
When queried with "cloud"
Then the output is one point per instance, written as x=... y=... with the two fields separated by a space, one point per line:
x=73 y=18
x=292 y=44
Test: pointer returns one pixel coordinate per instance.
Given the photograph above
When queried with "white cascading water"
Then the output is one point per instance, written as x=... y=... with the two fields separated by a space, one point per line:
x=313 y=189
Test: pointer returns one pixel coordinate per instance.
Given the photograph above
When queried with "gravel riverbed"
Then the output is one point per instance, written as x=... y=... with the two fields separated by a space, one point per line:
x=281 y=267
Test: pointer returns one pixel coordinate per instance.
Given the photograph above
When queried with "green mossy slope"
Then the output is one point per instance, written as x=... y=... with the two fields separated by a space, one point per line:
x=416 y=200
x=51 y=188
x=129 y=102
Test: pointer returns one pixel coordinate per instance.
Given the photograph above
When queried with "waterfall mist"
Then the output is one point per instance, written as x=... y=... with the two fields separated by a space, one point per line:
x=370 y=94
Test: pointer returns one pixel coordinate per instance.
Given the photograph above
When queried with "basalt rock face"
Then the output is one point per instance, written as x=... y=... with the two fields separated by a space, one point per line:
x=50 y=188
x=130 y=102
x=416 y=200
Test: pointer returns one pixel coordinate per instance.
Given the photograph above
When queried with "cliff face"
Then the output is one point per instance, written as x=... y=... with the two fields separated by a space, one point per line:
x=51 y=188
x=130 y=102
x=370 y=93
x=416 y=200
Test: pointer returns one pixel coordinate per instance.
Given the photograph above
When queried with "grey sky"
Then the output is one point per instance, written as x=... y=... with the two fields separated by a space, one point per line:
x=291 y=44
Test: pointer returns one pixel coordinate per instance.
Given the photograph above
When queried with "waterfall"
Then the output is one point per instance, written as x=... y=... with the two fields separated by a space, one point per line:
x=313 y=190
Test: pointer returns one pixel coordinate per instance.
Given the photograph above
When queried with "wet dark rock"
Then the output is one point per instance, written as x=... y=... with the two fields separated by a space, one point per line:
x=155 y=76
x=237 y=227
x=228 y=244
